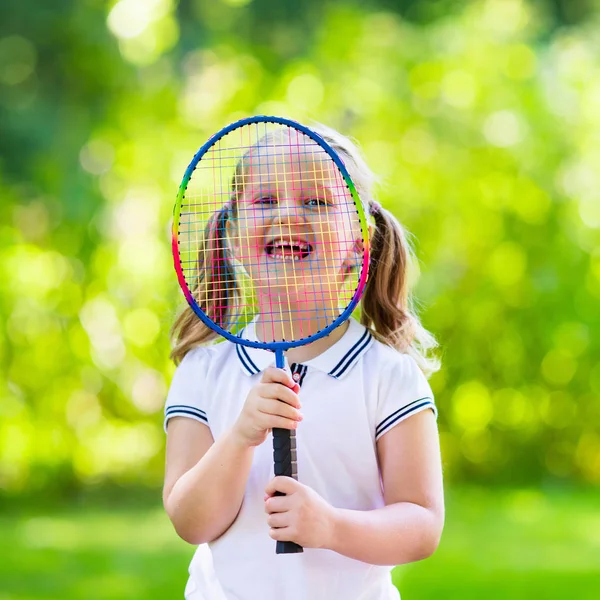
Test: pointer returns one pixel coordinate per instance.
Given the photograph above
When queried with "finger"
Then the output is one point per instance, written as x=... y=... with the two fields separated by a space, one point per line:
x=277 y=504
x=276 y=391
x=282 y=534
x=285 y=485
x=273 y=422
x=278 y=520
x=275 y=375
x=279 y=409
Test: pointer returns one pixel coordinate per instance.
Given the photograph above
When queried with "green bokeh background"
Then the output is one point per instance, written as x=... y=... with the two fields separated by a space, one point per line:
x=482 y=120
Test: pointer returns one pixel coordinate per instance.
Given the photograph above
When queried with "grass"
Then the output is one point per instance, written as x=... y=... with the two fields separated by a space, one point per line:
x=497 y=544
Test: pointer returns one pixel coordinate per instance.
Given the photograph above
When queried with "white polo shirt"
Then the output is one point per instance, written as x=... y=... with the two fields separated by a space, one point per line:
x=351 y=395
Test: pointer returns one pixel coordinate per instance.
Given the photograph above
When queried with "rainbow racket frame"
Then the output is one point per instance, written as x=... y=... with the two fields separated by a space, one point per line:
x=283 y=439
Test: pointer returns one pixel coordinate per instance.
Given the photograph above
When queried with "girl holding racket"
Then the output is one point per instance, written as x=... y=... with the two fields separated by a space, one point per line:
x=273 y=252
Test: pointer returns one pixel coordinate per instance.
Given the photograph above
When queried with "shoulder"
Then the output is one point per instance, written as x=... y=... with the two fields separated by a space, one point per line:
x=202 y=358
x=190 y=392
x=392 y=364
x=199 y=365
x=402 y=388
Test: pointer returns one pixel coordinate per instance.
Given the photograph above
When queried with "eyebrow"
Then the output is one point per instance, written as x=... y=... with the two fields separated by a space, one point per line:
x=310 y=191
x=272 y=186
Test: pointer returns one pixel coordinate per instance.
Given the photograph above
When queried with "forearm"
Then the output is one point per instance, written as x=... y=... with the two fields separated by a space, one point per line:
x=205 y=500
x=393 y=535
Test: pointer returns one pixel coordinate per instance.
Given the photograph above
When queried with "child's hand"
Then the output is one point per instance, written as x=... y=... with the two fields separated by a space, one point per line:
x=300 y=516
x=271 y=403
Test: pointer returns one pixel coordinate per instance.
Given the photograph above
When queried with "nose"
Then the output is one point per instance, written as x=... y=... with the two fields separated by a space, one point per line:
x=288 y=211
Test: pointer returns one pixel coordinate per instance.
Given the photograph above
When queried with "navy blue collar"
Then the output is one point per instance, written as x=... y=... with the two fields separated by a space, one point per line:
x=336 y=361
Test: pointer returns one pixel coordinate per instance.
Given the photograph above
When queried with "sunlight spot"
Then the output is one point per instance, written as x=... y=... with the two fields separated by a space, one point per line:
x=475 y=445
x=573 y=337
x=141 y=327
x=472 y=406
x=507 y=264
x=97 y=156
x=149 y=391
x=99 y=318
x=130 y=18
x=520 y=62
x=459 y=89
x=503 y=129
x=505 y=16
x=83 y=409
x=589 y=211
x=559 y=366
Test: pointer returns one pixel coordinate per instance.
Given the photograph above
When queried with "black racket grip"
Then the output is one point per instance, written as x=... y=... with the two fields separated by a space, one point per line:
x=284 y=458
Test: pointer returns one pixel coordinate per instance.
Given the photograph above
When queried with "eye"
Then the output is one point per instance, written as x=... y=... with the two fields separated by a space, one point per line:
x=265 y=199
x=316 y=202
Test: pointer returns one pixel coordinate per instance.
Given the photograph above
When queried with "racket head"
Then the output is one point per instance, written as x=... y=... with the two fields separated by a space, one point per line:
x=268 y=217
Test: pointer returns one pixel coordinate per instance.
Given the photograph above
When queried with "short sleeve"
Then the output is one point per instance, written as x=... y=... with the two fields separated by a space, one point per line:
x=404 y=391
x=187 y=395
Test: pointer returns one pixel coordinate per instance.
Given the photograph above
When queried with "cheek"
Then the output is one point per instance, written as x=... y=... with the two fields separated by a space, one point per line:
x=246 y=244
x=247 y=238
x=338 y=237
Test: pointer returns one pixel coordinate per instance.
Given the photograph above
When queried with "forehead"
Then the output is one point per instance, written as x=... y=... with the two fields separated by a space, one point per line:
x=291 y=158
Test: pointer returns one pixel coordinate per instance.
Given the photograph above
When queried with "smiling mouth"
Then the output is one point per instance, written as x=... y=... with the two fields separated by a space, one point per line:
x=288 y=250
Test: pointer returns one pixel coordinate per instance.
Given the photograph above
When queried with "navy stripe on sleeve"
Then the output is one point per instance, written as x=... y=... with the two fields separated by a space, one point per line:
x=403 y=412
x=349 y=358
x=187 y=411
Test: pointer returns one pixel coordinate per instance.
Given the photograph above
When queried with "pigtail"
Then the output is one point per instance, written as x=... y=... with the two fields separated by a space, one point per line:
x=215 y=291
x=386 y=301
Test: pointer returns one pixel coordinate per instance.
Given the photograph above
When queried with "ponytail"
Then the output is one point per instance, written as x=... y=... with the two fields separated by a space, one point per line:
x=215 y=272
x=386 y=301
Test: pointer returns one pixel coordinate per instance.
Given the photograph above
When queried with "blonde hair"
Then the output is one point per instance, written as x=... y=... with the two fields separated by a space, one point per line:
x=386 y=307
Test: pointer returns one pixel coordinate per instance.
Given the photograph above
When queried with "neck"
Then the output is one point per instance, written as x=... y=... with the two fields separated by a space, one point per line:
x=269 y=330
x=290 y=322
x=307 y=352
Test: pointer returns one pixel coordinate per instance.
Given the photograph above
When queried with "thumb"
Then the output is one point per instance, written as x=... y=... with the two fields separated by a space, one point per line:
x=284 y=485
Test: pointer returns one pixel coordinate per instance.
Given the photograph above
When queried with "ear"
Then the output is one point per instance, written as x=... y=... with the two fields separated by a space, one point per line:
x=354 y=258
x=359 y=246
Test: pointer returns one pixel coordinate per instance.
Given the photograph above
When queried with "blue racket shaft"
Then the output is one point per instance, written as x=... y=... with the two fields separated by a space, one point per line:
x=284 y=457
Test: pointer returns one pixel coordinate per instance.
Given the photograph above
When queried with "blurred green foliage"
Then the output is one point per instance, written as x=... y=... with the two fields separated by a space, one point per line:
x=481 y=119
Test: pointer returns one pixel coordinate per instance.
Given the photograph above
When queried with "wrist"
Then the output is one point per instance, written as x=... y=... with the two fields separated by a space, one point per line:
x=336 y=520
x=238 y=441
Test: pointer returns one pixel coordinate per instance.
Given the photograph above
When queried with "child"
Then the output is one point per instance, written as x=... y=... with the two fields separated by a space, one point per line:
x=369 y=494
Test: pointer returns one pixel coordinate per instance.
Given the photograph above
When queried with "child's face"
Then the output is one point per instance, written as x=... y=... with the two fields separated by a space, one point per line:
x=296 y=231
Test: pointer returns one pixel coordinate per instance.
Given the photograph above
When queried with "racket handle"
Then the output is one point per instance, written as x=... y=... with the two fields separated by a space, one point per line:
x=288 y=548
x=284 y=457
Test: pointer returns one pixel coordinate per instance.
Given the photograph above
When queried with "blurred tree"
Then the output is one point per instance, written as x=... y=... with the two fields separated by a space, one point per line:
x=481 y=119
